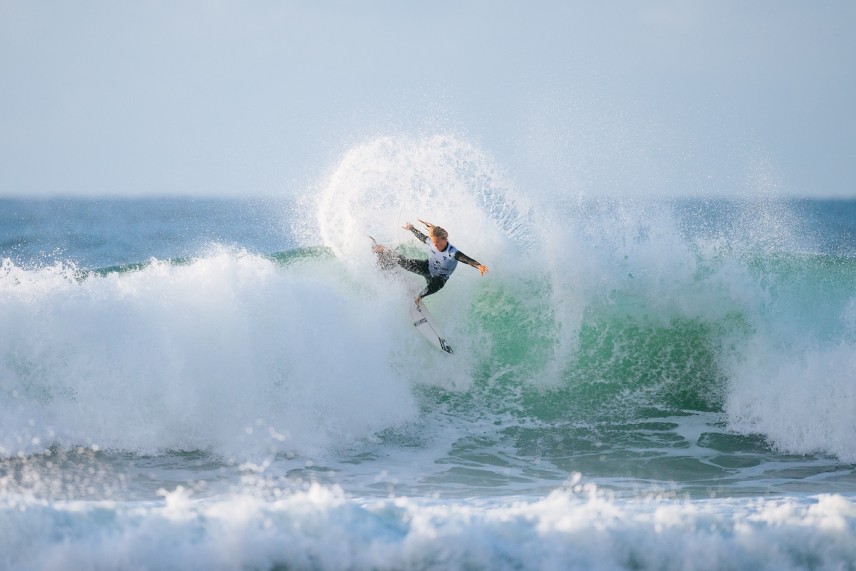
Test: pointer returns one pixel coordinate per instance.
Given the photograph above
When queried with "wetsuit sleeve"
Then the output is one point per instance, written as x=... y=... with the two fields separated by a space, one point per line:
x=434 y=285
x=461 y=257
x=419 y=235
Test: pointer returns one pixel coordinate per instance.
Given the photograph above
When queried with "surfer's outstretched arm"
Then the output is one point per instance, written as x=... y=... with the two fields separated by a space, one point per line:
x=461 y=257
x=419 y=235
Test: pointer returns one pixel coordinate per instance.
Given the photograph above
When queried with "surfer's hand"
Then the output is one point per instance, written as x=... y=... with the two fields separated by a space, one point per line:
x=482 y=269
x=418 y=299
x=378 y=249
x=408 y=226
x=427 y=224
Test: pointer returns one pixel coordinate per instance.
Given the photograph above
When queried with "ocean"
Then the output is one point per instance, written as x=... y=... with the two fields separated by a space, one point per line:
x=233 y=384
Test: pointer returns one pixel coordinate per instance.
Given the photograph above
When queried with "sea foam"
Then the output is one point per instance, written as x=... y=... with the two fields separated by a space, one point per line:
x=576 y=527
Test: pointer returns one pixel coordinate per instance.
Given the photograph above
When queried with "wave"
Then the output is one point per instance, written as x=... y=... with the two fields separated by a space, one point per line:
x=594 y=310
x=225 y=352
x=576 y=527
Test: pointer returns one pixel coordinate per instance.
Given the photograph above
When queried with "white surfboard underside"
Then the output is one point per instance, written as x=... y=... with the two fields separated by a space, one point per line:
x=425 y=324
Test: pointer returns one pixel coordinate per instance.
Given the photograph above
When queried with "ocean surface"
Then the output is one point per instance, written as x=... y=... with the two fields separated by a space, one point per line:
x=233 y=384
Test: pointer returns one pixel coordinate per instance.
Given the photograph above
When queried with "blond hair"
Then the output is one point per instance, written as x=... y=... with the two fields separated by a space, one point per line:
x=438 y=232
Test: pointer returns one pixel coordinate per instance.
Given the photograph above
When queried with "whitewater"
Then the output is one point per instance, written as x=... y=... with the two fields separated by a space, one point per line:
x=234 y=384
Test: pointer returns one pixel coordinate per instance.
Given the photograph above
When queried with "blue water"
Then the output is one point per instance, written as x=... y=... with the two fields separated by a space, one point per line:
x=231 y=384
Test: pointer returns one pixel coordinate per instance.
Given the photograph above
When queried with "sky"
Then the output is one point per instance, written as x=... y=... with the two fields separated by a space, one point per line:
x=629 y=98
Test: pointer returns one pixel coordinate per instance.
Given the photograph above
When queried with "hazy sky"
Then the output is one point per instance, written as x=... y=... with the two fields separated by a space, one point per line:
x=245 y=98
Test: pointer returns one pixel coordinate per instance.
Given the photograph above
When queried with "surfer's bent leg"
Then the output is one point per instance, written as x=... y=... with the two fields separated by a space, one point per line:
x=434 y=285
x=421 y=267
x=387 y=260
x=416 y=266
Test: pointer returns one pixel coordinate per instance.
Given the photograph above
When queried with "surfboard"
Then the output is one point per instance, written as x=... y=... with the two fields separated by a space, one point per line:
x=425 y=324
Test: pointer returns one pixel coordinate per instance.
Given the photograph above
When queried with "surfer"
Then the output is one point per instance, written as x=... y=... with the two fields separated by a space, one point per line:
x=442 y=259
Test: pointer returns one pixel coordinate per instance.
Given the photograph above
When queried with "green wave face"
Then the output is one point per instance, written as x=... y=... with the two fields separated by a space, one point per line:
x=618 y=360
x=637 y=355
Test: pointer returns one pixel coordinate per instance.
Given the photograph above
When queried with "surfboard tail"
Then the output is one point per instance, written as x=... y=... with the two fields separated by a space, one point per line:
x=425 y=324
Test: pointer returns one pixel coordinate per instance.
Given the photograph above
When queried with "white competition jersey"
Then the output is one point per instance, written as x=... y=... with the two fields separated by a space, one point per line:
x=443 y=263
